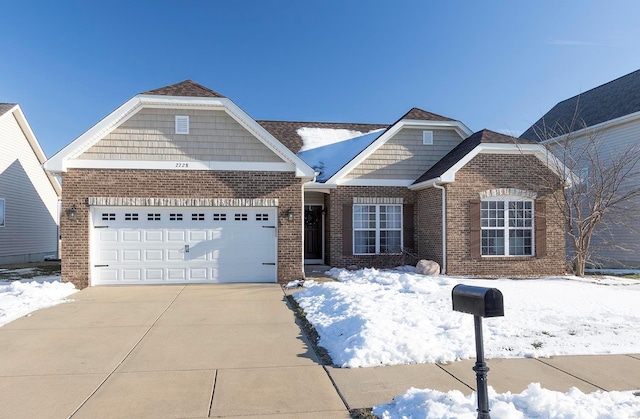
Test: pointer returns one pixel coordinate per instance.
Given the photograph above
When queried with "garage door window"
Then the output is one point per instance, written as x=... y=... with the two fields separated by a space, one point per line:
x=175 y=217
x=153 y=217
x=108 y=216
x=197 y=217
x=219 y=217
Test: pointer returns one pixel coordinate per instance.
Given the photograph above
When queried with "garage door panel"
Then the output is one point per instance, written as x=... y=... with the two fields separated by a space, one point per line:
x=175 y=255
x=176 y=235
x=132 y=236
x=169 y=245
x=132 y=255
x=154 y=236
x=131 y=274
x=152 y=274
x=153 y=255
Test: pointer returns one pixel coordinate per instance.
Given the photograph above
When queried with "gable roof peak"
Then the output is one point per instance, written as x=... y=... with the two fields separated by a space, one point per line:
x=185 y=88
x=421 y=114
x=6 y=107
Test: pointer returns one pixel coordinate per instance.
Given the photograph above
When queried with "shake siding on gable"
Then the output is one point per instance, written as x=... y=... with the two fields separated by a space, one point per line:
x=150 y=135
x=31 y=204
x=405 y=157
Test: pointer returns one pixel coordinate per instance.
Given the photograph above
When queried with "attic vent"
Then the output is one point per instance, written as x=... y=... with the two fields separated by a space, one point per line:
x=427 y=137
x=182 y=124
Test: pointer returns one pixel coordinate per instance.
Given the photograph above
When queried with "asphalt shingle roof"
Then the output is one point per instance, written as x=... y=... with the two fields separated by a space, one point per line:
x=484 y=136
x=4 y=107
x=417 y=113
x=184 y=88
x=287 y=132
x=609 y=101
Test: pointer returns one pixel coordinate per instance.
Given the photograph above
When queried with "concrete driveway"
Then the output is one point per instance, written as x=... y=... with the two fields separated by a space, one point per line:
x=191 y=351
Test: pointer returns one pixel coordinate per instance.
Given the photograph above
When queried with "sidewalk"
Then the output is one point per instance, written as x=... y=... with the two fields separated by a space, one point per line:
x=367 y=387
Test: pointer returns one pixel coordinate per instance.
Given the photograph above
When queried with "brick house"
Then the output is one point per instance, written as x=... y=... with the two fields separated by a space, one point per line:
x=179 y=185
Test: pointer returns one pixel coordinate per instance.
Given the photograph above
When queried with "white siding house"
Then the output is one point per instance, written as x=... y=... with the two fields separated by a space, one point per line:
x=607 y=117
x=28 y=195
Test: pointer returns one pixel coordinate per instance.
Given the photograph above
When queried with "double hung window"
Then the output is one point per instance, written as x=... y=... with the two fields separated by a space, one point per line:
x=507 y=227
x=377 y=229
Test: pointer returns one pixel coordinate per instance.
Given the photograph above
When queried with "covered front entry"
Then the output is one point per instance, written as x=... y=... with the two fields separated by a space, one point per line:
x=313 y=234
x=154 y=245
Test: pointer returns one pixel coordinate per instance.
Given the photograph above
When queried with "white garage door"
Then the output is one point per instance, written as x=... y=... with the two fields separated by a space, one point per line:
x=155 y=245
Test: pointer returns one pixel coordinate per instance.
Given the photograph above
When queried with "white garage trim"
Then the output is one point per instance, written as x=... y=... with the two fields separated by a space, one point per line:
x=162 y=245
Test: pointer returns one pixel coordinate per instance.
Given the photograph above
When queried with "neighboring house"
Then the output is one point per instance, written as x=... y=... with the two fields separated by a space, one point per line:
x=28 y=195
x=610 y=114
x=180 y=185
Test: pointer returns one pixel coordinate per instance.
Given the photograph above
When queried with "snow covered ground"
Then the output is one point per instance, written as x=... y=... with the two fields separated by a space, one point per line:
x=534 y=402
x=19 y=298
x=374 y=317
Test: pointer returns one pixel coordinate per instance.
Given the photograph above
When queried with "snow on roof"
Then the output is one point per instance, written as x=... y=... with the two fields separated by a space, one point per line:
x=327 y=160
x=318 y=137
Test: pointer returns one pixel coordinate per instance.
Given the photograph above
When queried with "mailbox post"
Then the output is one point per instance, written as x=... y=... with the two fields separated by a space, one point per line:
x=481 y=302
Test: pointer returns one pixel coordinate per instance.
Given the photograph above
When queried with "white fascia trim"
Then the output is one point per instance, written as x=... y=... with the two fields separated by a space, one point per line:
x=17 y=113
x=376 y=182
x=405 y=123
x=318 y=187
x=58 y=163
x=302 y=169
x=460 y=128
x=181 y=165
x=602 y=125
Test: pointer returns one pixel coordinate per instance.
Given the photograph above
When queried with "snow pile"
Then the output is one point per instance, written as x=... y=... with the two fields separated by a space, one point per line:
x=318 y=137
x=19 y=298
x=375 y=317
x=534 y=402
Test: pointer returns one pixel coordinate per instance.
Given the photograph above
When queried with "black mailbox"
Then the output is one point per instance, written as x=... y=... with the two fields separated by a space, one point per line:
x=479 y=301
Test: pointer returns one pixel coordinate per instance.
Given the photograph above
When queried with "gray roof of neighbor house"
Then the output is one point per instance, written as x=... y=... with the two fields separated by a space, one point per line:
x=484 y=136
x=609 y=101
x=184 y=88
x=4 y=107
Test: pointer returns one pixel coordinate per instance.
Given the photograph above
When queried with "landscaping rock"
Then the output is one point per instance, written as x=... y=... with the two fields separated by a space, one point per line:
x=352 y=267
x=427 y=267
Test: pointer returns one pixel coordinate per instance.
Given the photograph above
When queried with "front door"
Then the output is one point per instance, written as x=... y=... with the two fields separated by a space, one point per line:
x=313 y=234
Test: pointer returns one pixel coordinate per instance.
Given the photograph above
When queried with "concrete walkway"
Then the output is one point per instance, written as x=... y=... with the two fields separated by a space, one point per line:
x=228 y=351
x=191 y=351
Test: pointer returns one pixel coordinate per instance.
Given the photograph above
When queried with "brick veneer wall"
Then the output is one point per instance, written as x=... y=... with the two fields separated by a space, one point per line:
x=429 y=224
x=490 y=171
x=343 y=195
x=80 y=184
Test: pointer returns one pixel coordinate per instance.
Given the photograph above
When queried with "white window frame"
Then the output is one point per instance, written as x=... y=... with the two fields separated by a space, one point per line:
x=506 y=228
x=377 y=228
x=3 y=212
x=427 y=137
x=182 y=121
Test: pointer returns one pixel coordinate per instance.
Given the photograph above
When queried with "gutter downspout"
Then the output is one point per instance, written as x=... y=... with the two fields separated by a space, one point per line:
x=443 y=269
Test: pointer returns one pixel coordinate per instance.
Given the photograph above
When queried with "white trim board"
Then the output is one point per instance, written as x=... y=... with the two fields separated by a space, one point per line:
x=181 y=165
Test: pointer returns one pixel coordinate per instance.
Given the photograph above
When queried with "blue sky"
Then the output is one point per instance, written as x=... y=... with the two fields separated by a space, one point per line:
x=496 y=64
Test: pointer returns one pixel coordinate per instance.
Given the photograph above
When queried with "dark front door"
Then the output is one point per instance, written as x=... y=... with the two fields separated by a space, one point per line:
x=313 y=232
